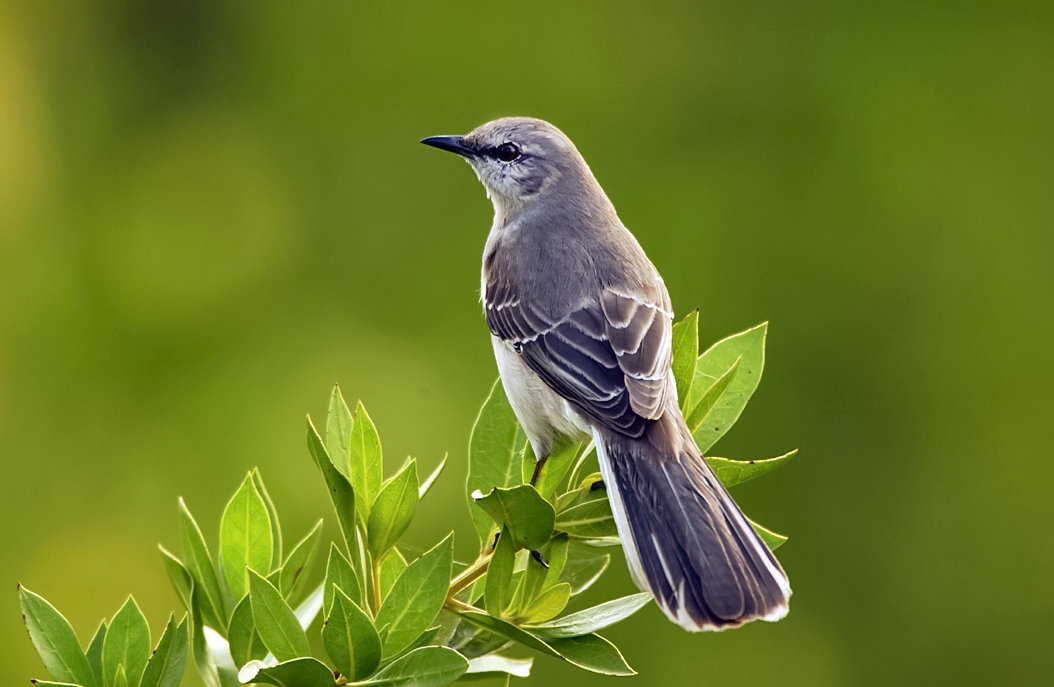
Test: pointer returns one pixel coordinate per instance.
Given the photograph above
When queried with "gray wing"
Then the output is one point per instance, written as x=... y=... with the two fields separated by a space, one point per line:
x=609 y=358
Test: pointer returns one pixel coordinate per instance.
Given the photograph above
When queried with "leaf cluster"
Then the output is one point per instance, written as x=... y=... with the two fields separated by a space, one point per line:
x=386 y=619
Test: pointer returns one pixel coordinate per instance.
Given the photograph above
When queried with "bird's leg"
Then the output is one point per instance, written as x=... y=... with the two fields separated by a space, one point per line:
x=538 y=469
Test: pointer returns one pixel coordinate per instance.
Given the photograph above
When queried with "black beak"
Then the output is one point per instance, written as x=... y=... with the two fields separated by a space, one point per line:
x=454 y=144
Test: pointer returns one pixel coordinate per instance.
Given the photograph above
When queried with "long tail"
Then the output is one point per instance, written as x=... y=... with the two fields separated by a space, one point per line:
x=685 y=539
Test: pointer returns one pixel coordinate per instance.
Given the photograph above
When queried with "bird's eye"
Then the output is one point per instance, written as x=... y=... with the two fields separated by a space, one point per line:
x=507 y=152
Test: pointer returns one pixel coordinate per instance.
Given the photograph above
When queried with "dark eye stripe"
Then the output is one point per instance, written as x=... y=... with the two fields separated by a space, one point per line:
x=506 y=152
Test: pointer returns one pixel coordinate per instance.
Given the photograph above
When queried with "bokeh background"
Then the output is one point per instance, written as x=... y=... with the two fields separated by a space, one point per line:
x=210 y=212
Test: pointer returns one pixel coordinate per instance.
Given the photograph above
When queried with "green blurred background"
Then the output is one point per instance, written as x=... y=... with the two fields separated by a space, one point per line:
x=210 y=212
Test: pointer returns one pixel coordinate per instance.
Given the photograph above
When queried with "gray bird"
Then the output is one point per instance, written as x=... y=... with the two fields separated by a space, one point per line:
x=580 y=321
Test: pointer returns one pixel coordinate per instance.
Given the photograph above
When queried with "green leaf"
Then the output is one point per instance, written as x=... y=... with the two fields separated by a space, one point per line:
x=181 y=578
x=547 y=604
x=556 y=557
x=429 y=666
x=732 y=472
x=296 y=568
x=339 y=573
x=584 y=566
x=427 y=484
x=202 y=656
x=245 y=642
x=592 y=619
x=246 y=540
x=561 y=458
x=120 y=678
x=530 y=518
x=297 y=672
x=338 y=433
x=340 y=490
x=416 y=598
x=272 y=513
x=166 y=664
x=367 y=461
x=94 y=652
x=685 y=338
x=588 y=520
x=530 y=586
x=498 y=591
x=46 y=683
x=771 y=539
x=393 y=510
x=55 y=640
x=705 y=404
x=127 y=644
x=592 y=653
x=351 y=639
x=748 y=345
x=275 y=621
x=495 y=665
x=392 y=565
x=495 y=454
x=199 y=563
x=508 y=630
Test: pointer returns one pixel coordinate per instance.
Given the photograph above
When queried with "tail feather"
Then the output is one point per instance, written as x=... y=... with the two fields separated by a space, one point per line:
x=685 y=539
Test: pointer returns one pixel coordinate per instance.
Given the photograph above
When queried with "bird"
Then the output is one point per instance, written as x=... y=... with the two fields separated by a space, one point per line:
x=580 y=322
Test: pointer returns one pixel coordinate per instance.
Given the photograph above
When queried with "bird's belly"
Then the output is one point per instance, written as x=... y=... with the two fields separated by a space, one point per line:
x=541 y=411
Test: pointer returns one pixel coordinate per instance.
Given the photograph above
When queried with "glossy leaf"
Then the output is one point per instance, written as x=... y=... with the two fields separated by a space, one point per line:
x=592 y=619
x=367 y=461
x=55 y=640
x=416 y=598
x=127 y=644
x=272 y=513
x=429 y=666
x=198 y=562
x=351 y=639
x=393 y=510
x=592 y=653
x=703 y=406
x=547 y=604
x=555 y=469
x=297 y=672
x=94 y=652
x=180 y=577
x=203 y=658
x=246 y=540
x=120 y=678
x=166 y=664
x=245 y=642
x=495 y=666
x=295 y=570
x=556 y=557
x=685 y=341
x=772 y=539
x=530 y=518
x=339 y=573
x=733 y=472
x=495 y=454
x=750 y=347
x=275 y=621
x=392 y=565
x=340 y=490
x=584 y=566
x=498 y=590
x=590 y=519
x=427 y=484
x=338 y=433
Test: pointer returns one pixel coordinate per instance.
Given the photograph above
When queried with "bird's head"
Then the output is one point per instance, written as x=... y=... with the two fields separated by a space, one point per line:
x=518 y=159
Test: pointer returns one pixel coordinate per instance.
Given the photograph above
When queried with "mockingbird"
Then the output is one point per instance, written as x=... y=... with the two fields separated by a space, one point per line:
x=580 y=322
